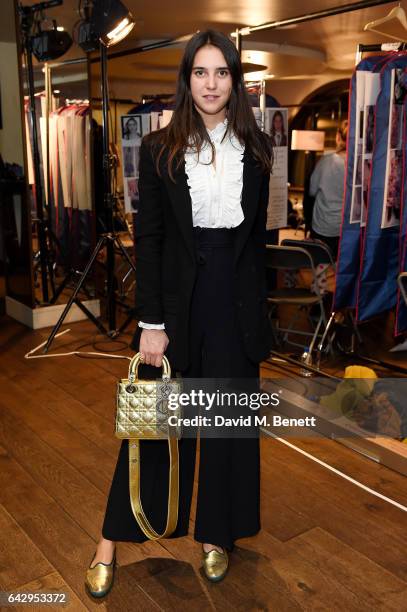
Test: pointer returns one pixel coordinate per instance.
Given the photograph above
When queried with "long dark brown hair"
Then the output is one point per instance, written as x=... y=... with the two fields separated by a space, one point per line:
x=187 y=128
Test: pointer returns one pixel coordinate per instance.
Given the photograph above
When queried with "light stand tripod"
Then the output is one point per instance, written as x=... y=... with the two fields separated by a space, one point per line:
x=46 y=264
x=110 y=239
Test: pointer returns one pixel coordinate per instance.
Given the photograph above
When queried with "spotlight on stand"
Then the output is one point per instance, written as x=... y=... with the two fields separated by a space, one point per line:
x=111 y=21
x=104 y=21
x=50 y=44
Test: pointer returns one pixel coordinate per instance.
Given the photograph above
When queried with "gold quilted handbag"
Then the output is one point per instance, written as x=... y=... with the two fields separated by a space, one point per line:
x=142 y=412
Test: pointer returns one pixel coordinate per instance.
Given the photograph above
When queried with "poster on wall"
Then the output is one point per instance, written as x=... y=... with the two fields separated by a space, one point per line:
x=276 y=124
x=394 y=163
x=133 y=128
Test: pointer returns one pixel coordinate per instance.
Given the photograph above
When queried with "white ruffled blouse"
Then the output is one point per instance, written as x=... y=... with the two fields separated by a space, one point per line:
x=216 y=190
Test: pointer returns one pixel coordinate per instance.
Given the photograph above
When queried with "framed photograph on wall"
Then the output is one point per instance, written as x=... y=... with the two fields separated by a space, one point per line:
x=133 y=128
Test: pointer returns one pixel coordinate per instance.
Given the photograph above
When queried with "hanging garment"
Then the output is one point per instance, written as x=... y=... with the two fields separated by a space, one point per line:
x=70 y=193
x=80 y=159
x=65 y=157
x=70 y=164
x=377 y=286
x=348 y=266
x=401 y=310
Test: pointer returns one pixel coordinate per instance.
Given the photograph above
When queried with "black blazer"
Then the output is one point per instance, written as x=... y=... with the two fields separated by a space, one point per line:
x=166 y=263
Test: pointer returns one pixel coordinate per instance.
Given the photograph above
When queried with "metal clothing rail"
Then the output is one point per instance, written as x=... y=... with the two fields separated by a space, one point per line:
x=377 y=48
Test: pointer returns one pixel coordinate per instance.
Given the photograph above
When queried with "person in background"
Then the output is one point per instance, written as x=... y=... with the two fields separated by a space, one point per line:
x=327 y=186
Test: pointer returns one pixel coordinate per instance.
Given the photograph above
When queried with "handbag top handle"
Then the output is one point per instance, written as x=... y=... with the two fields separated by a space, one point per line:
x=135 y=362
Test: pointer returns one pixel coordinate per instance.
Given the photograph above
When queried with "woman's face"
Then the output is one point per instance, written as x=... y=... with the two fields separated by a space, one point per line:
x=132 y=126
x=278 y=123
x=211 y=82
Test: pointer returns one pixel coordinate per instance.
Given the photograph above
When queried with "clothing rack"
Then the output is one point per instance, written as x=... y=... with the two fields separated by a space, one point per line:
x=377 y=48
x=361 y=49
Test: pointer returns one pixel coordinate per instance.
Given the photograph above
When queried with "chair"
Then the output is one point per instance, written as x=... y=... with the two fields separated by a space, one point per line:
x=319 y=251
x=293 y=258
x=322 y=254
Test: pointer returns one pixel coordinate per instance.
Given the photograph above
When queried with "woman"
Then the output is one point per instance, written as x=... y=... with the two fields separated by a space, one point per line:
x=278 y=135
x=201 y=299
x=327 y=185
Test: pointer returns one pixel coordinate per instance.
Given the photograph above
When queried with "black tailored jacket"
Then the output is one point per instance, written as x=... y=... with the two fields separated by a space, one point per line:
x=166 y=263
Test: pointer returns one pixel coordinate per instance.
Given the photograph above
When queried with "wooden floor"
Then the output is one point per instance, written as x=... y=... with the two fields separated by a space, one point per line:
x=325 y=543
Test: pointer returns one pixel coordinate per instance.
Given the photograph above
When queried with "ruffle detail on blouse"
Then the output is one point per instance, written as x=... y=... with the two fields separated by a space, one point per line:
x=197 y=179
x=232 y=183
x=228 y=184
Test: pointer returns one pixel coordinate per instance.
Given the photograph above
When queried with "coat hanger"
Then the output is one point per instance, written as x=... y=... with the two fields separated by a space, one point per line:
x=393 y=25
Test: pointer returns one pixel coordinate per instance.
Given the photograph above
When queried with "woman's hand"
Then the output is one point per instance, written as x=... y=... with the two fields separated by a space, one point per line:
x=153 y=343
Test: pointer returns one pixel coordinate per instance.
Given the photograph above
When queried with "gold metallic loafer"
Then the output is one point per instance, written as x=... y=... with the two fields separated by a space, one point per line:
x=215 y=564
x=99 y=579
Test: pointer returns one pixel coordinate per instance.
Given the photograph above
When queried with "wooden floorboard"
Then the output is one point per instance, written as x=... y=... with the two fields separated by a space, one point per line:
x=357 y=466
x=325 y=544
x=366 y=580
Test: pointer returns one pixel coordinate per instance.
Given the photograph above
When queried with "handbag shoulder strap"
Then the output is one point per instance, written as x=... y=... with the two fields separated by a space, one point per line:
x=173 y=489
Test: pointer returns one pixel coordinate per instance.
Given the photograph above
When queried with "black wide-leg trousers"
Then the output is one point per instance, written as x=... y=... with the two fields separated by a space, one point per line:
x=228 y=498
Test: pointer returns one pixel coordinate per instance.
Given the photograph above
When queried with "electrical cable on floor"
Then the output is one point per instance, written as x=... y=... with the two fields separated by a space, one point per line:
x=30 y=354
x=339 y=473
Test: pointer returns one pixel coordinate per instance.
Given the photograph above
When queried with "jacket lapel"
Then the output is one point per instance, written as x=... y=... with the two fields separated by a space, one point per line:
x=252 y=178
x=181 y=201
